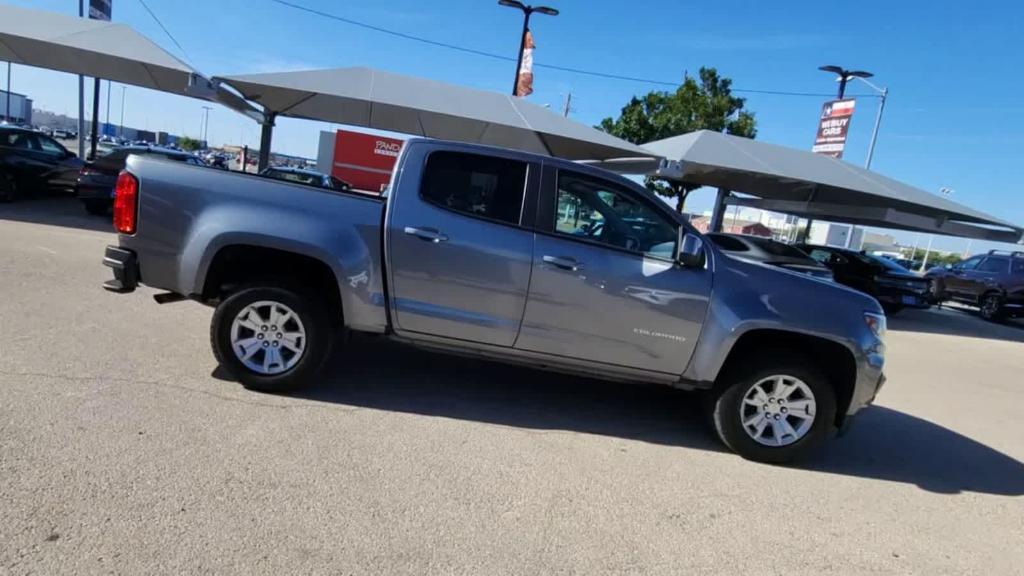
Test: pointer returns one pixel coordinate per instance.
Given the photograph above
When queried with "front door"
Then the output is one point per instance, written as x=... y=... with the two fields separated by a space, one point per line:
x=960 y=277
x=605 y=287
x=458 y=254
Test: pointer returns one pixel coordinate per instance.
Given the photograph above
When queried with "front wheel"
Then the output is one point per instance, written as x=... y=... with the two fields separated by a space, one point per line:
x=775 y=410
x=271 y=338
x=992 y=307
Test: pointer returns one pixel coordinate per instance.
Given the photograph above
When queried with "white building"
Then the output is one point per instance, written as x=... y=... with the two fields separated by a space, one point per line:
x=20 y=107
x=836 y=235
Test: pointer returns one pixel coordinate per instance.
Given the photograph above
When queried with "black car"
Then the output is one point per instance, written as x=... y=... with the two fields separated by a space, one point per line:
x=993 y=282
x=30 y=161
x=308 y=177
x=769 y=251
x=892 y=285
x=97 y=178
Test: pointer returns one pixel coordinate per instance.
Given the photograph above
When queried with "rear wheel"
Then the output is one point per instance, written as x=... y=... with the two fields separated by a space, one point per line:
x=271 y=337
x=992 y=307
x=774 y=409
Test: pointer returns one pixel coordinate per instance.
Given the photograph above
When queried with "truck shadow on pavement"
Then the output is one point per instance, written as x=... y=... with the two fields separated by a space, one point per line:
x=884 y=444
x=54 y=209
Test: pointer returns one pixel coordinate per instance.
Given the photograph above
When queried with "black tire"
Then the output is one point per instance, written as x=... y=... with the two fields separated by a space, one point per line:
x=311 y=312
x=725 y=405
x=97 y=207
x=8 y=188
x=991 y=305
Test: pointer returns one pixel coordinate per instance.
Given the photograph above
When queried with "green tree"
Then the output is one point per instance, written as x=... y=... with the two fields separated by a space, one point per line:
x=703 y=103
x=189 y=144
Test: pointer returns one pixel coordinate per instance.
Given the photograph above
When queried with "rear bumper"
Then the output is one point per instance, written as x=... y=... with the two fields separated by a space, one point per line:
x=125 y=267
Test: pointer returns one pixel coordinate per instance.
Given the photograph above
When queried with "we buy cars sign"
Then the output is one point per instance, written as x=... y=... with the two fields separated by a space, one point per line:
x=363 y=160
x=833 y=126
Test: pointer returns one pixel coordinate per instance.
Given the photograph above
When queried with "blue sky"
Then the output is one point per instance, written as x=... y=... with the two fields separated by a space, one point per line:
x=955 y=115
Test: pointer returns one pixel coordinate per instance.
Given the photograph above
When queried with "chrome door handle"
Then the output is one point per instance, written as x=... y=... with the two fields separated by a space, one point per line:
x=564 y=263
x=428 y=234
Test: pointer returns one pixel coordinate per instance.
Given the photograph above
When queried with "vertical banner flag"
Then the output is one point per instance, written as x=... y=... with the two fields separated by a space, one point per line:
x=100 y=9
x=833 y=127
x=524 y=87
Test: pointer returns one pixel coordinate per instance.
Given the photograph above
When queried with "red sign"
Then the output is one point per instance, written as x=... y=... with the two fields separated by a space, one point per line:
x=363 y=160
x=833 y=126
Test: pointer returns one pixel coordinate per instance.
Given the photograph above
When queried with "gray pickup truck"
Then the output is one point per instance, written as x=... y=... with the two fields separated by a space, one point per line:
x=510 y=256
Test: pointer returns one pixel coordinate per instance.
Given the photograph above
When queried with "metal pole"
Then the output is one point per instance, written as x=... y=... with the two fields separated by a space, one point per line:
x=522 y=46
x=266 y=136
x=81 y=96
x=842 y=85
x=120 y=129
x=568 y=104
x=107 y=123
x=924 y=263
x=7 y=115
x=718 y=214
x=95 y=118
x=874 y=132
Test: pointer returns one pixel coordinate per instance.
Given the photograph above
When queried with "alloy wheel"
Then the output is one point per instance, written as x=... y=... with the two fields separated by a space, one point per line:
x=268 y=337
x=778 y=410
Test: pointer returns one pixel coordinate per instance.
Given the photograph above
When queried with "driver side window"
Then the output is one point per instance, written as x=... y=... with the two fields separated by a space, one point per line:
x=969 y=264
x=591 y=209
x=50 y=146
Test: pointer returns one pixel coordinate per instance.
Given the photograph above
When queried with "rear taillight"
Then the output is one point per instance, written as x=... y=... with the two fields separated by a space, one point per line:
x=126 y=203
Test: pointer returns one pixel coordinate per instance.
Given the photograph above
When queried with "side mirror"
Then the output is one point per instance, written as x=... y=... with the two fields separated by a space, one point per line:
x=948 y=266
x=689 y=249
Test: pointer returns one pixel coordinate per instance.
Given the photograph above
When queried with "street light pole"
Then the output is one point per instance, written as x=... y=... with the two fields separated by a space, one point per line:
x=124 y=91
x=7 y=114
x=81 y=97
x=844 y=76
x=527 y=12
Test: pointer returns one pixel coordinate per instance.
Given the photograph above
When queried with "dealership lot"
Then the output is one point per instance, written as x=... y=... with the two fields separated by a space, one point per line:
x=122 y=450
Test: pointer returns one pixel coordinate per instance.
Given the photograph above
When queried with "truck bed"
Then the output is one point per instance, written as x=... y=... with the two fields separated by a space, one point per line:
x=187 y=214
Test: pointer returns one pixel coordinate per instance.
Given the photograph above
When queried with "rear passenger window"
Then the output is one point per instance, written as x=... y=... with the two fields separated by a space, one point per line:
x=997 y=265
x=481 y=186
x=1018 y=265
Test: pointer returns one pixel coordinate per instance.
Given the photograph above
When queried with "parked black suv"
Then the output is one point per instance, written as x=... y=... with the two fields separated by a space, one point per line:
x=30 y=161
x=993 y=282
x=892 y=285
x=768 y=251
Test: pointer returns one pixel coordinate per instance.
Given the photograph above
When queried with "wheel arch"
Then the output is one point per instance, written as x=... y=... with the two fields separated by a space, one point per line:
x=234 y=264
x=834 y=359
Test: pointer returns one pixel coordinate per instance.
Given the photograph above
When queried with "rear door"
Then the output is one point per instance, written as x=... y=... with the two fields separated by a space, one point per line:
x=605 y=287
x=459 y=251
x=992 y=268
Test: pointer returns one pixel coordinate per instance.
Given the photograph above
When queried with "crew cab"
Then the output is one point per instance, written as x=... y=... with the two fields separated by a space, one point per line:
x=509 y=256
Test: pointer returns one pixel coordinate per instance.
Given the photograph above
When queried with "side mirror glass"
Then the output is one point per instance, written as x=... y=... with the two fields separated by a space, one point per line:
x=690 y=250
x=948 y=266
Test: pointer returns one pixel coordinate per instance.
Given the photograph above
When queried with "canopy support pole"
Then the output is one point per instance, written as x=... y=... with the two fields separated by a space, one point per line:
x=718 y=213
x=266 y=136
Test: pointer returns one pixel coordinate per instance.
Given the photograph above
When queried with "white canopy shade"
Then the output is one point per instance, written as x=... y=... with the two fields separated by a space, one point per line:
x=104 y=50
x=386 y=101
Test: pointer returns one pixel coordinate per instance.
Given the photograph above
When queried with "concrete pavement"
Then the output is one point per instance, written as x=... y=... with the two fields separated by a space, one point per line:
x=123 y=451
